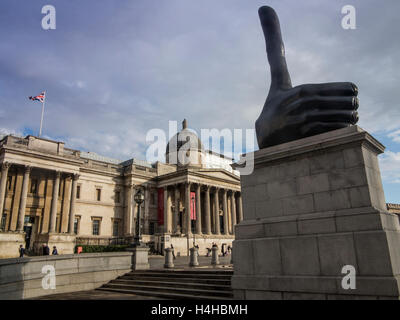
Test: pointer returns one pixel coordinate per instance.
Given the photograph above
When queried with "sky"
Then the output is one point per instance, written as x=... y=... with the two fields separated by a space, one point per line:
x=115 y=69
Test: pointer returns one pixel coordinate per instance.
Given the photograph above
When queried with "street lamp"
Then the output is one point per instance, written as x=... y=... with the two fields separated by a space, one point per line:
x=139 y=198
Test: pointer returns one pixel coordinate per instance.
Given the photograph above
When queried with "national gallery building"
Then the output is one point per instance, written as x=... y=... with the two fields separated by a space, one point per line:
x=63 y=197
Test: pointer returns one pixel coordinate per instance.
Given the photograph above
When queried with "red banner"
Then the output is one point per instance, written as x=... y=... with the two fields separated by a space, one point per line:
x=193 y=205
x=160 y=206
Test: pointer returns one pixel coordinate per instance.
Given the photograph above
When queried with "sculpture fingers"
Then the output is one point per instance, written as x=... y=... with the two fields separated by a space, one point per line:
x=326 y=116
x=305 y=104
x=328 y=89
x=280 y=78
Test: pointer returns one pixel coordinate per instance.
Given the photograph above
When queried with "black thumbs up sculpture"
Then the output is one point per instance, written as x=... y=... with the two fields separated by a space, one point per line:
x=291 y=113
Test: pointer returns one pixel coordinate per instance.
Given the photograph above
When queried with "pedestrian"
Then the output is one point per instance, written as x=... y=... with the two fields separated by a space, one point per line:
x=46 y=250
x=173 y=251
x=21 y=251
x=223 y=249
x=54 y=252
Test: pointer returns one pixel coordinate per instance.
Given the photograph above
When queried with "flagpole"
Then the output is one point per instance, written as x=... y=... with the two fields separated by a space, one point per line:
x=41 y=118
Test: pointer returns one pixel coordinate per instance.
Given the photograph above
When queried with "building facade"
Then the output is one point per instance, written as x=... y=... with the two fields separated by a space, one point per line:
x=59 y=196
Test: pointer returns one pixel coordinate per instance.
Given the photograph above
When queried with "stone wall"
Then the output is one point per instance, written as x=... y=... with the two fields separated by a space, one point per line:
x=22 y=278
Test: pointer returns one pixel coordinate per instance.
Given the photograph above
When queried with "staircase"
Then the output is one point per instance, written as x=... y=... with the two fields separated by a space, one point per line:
x=175 y=284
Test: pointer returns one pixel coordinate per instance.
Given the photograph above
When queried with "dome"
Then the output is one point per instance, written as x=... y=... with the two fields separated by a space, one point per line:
x=187 y=138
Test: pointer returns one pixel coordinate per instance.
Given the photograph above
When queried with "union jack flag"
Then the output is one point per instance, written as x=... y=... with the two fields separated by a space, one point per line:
x=39 y=97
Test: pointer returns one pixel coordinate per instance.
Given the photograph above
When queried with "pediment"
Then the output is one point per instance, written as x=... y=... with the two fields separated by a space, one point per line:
x=220 y=174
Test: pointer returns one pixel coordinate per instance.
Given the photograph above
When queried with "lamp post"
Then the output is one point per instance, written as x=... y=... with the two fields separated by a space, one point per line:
x=139 y=199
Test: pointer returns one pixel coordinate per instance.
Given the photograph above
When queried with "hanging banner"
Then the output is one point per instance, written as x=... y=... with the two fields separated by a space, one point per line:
x=193 y=205
x=160 y=206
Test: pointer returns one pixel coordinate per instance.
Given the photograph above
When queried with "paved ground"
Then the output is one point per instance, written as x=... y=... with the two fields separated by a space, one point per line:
x=156 y=262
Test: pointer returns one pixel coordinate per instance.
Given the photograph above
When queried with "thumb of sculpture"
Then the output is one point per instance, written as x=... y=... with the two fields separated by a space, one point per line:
x=280 y=78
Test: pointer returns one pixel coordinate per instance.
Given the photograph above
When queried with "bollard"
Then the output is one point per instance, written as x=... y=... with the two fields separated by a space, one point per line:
x=194 y=252
x=214 y=256
x=169 y=261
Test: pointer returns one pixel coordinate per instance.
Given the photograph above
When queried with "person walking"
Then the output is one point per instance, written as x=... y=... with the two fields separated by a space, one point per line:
x=173 y=251
x=21 y=251
x=54 y=252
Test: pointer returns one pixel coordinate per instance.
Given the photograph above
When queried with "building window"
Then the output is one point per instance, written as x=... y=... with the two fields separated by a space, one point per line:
x=115 y=228
x=96 y=227
x=76 y=225
x=34 y=186
x=3 y=222
x=117 y=196
x=78 y=192
x=98 y=194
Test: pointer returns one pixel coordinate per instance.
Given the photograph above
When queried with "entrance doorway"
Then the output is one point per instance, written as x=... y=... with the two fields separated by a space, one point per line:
x=28 y=234
x=29 y=225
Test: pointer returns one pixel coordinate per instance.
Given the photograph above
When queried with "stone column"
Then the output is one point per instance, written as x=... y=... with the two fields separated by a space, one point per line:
x=176 y=211
x=233 y=211
x=225 y=210
x=240 y=207
x=208 y=214
x=165 y=227
x=216 y=213
x=75 y=178
x=198 y=209
x=66 y=202
x=3 y=184
x=22 y=204
x=187 y=209
x=128 y=209
x=54 y=202
x=167 y=211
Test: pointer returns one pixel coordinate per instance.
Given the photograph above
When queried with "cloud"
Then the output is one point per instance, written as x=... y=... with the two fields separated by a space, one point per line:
x=395 y=136
x=390 y=167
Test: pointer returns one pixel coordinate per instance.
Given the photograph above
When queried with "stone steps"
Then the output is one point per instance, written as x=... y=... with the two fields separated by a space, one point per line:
x=171 y=284
x=157 y=282
x=193 y=279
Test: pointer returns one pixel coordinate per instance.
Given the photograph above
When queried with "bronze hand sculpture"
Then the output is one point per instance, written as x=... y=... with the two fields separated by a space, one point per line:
x=291 y=113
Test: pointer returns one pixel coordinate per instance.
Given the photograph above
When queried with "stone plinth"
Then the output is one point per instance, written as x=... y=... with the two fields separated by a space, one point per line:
x=311 y=207
x=140 y=258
